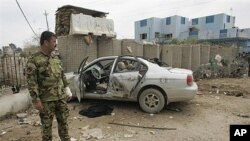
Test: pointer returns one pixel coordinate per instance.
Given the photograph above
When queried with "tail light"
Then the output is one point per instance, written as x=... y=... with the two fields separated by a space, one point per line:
x=189 y=80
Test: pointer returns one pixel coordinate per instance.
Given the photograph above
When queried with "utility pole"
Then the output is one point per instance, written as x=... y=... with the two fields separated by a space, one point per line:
x=46 y=14
x=231 y=11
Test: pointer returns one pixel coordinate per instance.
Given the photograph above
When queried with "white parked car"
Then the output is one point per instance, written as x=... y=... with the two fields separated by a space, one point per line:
x=127 y=78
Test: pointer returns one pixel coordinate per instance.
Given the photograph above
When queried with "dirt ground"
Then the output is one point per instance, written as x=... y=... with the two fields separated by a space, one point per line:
x=219 y=103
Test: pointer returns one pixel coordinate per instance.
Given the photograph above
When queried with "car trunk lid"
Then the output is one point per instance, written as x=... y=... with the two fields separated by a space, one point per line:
x=180 y=71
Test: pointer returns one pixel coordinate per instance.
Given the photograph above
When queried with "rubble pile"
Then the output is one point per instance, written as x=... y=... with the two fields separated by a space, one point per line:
x=218 y=67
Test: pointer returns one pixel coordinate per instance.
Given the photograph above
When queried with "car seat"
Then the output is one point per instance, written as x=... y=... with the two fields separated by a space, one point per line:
x=121 y=66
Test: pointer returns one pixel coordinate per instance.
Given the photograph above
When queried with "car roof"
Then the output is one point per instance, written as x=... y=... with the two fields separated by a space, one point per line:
x=147 y=61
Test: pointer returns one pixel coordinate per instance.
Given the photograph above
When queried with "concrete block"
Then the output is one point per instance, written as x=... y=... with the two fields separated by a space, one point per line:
x=14 y=103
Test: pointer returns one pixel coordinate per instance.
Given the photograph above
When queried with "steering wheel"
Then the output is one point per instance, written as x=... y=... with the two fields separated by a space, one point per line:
x=96 y=73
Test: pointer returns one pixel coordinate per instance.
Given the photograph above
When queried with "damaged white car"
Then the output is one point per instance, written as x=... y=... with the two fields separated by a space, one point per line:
x=127 y=78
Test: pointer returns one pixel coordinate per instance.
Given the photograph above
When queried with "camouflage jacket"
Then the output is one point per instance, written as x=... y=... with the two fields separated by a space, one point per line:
x=45 y=77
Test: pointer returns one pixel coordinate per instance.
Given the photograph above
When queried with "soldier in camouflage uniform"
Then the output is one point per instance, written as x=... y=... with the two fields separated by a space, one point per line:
x=48 y=87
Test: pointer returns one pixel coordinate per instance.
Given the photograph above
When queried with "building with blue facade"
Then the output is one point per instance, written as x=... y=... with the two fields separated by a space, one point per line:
x=213 y=27
x=157 y=29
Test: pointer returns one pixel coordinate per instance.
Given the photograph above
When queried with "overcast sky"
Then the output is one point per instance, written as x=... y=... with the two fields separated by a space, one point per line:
x=14 y=28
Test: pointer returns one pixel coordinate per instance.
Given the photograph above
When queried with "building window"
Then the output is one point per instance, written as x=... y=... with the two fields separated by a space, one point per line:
x=157 y=34
x=195 y=21
x=193 y=33
x=228 y=19
x=182 y=20
x=223 y=31
x=168 y=36
x=143 y=36
x=209 y=19
x=168 y=21
x=143 y=23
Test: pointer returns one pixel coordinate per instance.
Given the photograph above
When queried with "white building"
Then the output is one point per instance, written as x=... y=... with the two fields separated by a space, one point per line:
x=157 y=29
x=210 y=27
x=177 y=27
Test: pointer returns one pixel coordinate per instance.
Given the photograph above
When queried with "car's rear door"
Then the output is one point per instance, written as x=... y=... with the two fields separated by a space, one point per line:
x=122 y=82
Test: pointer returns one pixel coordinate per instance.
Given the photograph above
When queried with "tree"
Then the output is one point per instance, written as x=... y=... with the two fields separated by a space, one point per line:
x=12 y=46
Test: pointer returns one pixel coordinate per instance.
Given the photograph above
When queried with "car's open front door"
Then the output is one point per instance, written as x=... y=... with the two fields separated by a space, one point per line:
x=79 y=80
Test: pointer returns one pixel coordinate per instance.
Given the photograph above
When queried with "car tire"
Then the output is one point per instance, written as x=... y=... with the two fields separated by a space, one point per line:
x=151 y=101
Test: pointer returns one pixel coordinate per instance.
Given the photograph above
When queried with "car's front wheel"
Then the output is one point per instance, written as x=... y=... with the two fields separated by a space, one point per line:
x=151 y=100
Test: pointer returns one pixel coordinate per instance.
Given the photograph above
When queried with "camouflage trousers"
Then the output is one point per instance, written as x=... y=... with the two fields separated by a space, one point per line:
x=60 y=110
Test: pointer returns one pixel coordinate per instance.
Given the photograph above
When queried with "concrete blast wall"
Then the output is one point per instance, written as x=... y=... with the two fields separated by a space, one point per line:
x=151 y=51
x=192 y=56
x=225 y=53
x=186 y=56
x=177 y=56
x=130 y=45
x=195 y=58
x=167 y=54
x=109 y=47
x=205 y=54
x=73 y=50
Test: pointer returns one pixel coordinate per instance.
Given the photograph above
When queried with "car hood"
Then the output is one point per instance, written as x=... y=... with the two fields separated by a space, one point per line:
x=180 y=71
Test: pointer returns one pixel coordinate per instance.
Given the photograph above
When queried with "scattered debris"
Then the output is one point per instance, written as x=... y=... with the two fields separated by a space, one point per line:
x=241 y=115
x=128 y=135
x=234 y=93
x=174 y=109
x=159 y=128
x=37 y=123
x=214 y=86
x=218 y=67
x=73 y=139
x=28 y=132
x=217 y=97
x=217 y=91
x=152 y=132
x=4 y=132
x=85 y=127
x=131 y=131
x=22 y=115
x=92 y=133
x=23 y=121
x=199 y=93
x=6 y=128
x=16 y=139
